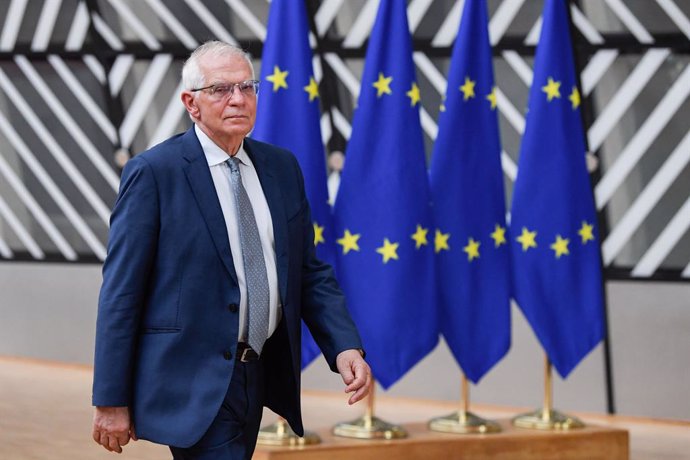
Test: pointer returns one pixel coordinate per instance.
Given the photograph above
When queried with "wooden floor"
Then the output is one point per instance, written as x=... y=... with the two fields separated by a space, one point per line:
x=45 y=414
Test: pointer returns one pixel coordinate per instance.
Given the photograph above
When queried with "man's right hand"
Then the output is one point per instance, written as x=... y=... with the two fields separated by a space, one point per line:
x=112 y=428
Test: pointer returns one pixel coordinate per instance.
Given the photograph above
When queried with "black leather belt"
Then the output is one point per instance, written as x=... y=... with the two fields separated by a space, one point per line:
x=245 y=353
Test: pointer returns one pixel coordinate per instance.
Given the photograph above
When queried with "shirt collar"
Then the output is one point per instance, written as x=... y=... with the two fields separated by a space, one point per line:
x=214 y=154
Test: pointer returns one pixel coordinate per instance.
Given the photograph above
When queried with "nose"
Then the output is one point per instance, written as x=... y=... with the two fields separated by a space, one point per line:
x=235 y=90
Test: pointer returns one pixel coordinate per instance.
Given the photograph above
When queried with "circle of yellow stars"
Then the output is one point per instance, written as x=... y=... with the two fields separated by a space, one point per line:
x=279 y=81
x=383 y=87
x=527 y=239
x=389 y=249
x=560 y=245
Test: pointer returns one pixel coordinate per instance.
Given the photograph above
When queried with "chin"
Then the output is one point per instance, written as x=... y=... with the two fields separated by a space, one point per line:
x=238 y=128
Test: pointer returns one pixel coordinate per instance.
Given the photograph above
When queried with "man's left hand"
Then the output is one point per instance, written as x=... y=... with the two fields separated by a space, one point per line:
x=355 y=373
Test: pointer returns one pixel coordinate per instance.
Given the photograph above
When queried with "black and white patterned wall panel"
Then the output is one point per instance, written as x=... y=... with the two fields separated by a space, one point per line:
x=84 y=84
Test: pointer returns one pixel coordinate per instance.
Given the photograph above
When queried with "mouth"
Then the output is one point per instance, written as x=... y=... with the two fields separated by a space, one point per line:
x=236 y=117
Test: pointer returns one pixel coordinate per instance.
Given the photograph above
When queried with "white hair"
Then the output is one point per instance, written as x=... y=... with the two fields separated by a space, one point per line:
x=193 y=77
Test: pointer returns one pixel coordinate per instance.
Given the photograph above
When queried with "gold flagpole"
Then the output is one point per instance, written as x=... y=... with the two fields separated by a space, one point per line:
x=369 y=426
x=280 y=434
x=547 y=418
x=463 y=421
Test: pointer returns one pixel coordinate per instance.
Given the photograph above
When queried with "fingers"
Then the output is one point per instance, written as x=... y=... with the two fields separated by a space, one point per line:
x=361 y=383
x=114 y=444
x=346 y=361
x=133 y=434
x=355 y=373
x=111 y=428
x=347 y=376
x=104 y=441
x=361 y=372
x=111 y=442
x=362 y=391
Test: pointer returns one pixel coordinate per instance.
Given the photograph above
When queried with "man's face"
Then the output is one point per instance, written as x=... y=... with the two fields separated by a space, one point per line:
x=225 y=118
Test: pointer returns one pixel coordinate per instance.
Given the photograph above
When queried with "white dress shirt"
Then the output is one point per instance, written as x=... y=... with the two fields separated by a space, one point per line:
x=220 y=173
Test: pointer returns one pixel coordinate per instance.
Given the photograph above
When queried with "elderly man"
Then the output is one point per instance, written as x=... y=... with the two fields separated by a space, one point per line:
x=210 y=269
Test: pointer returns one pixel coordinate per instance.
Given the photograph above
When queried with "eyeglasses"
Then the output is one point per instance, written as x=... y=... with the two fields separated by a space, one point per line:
x=221 y=91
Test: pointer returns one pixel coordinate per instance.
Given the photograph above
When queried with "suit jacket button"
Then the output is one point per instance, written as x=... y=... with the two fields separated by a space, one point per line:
x=233 y=308
x=227 y=355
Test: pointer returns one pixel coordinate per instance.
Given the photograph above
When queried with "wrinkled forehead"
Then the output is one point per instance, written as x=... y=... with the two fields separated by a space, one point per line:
x=228 y=68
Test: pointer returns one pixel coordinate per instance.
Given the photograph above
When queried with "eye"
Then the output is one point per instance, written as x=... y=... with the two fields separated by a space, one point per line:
x=247 y=87
x=221 y=90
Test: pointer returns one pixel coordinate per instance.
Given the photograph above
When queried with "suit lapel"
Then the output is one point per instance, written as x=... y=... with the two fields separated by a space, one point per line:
x=201 y=182
x=274 y=198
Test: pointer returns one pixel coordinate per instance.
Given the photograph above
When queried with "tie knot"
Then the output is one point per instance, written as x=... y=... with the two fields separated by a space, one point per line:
x=234 y=164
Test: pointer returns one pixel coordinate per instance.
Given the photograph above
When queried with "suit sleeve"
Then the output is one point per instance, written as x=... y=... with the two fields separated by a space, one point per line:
x=132 y=244
x=324 y=309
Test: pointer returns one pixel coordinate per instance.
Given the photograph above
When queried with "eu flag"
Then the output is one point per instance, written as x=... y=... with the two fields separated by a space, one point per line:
x=469 y=205
x=382 y=211
x=556 y=255
x=288 y=115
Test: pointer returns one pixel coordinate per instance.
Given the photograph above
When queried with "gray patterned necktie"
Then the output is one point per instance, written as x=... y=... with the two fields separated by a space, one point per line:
x=254 y=263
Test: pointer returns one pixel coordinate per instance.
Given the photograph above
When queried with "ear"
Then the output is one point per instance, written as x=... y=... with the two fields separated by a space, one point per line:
x=189 y=102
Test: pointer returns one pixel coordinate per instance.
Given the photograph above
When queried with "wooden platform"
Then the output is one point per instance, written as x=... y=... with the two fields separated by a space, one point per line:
x=45 y=413
x=591 y=443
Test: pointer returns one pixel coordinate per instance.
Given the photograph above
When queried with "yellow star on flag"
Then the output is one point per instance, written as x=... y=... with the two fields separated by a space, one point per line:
x=349 y=241
x=318 y=234
x=499 y=235
x=419 y=237
x=472 y=249
x=527 y=239
x=413 y=94
x=388 y=250
x=552 y=89
x=575 y=97
x=586 y=232
x=441 y=241
x=278 y=78
x=467 y=89
x=560 y=246
x=312 y=89
x=383 y=85
x=492 y=98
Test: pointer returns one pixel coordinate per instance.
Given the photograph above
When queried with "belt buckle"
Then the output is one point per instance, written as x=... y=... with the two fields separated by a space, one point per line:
x=245 y=356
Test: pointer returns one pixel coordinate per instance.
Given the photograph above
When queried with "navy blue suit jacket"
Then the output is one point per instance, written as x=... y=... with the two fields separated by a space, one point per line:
x=167 y=315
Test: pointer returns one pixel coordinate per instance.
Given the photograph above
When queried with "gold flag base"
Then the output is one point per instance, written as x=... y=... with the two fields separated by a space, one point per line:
x=547 y=420
x=280 y=434
x=369 y=427
x=463 y=423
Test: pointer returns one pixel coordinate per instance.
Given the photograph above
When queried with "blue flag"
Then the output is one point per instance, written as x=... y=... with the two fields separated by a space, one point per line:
x=556 y=255
x=469 y=205
x=288 y=115
x=382 y=211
